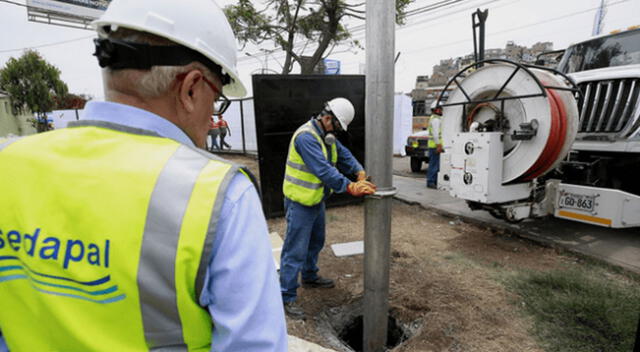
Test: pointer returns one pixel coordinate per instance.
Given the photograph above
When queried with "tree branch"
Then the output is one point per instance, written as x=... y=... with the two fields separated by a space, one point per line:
x=355 y=16
x=353 y=10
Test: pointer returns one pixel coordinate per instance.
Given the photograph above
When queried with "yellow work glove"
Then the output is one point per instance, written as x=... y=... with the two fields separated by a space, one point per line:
x=361 y=188
x=362 y=175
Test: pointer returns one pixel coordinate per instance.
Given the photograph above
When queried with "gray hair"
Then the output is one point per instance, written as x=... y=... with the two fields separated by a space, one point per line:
x=151 y=83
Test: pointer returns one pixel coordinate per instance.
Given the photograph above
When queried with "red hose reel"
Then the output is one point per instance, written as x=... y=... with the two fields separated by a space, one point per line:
x=535 y=109
x=556 y=139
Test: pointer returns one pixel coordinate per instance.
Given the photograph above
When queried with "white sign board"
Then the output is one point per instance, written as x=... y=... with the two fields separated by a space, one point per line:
x=90 y=9
x=402 y=122
x=60 y=118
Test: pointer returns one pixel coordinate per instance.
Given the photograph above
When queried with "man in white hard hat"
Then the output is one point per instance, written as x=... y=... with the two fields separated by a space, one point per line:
x=120 y=233
x=316 y=165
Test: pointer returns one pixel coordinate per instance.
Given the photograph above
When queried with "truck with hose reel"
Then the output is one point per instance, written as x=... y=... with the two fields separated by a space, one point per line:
x=524 y=141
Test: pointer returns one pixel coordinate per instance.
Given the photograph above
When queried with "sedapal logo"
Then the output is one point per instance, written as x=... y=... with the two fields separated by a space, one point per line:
x=21 y=254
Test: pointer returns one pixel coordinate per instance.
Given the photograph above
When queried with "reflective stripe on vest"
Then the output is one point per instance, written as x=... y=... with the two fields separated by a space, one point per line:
x=108 y=252
x=431 y=143
x=300 y=184
x=6 y=142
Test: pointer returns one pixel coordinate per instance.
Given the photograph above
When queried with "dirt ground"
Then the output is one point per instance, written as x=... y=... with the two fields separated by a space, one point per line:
x=442 y=278
x=436 y=278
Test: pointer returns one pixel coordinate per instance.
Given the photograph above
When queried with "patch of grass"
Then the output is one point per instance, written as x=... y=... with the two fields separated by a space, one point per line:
x=578 y=310
x=460 y=259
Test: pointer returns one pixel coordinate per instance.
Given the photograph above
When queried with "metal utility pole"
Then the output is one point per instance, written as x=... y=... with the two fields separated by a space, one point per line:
x=244 y=144
x=380 y=48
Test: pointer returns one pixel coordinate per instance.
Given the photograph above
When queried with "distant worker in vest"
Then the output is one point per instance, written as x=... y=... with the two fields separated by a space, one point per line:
x=224 y=130
x=435 y=145
x=214 y=132
x=316 y=165
x=120 y=232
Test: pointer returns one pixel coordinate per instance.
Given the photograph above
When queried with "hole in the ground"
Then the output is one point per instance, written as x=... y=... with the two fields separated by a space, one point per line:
x=342 y=327
x=352 y=333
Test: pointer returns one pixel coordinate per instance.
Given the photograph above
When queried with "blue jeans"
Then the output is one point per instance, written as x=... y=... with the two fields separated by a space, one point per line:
x=214 y=140
x=303 y=242
x=434 y=167
x=223 y=135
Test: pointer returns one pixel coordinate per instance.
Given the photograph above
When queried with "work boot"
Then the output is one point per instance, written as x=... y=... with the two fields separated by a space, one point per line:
x=293 y=310
x=319 y=282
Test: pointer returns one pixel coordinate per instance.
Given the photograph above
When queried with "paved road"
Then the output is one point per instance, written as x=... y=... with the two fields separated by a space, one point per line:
x=620 y=247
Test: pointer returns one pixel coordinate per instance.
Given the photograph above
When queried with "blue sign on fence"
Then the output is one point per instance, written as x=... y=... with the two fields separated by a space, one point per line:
x=331 y=67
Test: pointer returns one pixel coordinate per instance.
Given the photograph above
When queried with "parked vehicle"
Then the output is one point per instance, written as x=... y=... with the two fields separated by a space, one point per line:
x=606 y=152
x=525 y=141
x=417 y=149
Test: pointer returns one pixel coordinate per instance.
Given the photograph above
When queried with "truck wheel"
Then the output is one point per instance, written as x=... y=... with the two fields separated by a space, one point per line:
x=416 y=164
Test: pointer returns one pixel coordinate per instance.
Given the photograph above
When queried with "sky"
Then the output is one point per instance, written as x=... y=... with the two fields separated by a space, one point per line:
x=424 y=41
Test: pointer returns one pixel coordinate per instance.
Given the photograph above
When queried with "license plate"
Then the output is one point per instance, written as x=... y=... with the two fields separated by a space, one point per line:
x=577 y=201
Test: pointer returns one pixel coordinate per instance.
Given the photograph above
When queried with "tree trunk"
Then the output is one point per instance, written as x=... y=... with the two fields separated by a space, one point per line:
x=307 y=66
x=327 y=35
x=291 y=22
x=287 y=63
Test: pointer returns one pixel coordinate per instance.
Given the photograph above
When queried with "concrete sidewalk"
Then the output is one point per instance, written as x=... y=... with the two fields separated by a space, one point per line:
x=620 y=247
x=297 y=344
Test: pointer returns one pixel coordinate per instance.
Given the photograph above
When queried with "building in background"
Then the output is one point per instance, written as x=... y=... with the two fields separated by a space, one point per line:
x=421 y=98
x=12 y=123
x=428 y=88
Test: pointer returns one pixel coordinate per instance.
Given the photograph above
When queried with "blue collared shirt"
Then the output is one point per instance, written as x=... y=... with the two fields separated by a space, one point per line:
x=332 y=177
x=241 y=289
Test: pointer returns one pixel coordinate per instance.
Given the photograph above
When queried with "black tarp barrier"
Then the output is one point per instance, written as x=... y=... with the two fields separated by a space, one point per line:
x=284 y=102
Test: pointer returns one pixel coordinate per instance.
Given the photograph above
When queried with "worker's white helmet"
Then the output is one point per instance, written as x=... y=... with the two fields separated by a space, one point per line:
x=196 y=24
x=342 y=109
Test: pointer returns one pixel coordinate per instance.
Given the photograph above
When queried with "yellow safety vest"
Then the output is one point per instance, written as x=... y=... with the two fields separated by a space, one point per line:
x=105 y=236
x=432 y=143
x=300 y=184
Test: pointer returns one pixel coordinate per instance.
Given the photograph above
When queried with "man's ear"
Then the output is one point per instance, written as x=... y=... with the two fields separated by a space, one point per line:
x=187 y=92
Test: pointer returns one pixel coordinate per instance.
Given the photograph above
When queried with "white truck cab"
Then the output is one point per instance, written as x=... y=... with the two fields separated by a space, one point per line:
x=606 y=152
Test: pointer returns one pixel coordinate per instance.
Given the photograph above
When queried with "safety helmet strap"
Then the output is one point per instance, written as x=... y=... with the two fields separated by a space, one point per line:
x=119 y=54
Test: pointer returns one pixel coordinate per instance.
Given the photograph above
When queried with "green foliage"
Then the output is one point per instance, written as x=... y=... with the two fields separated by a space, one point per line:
x=284 y=22
x=581 y=311
x=32 y=83
x=401 y=6
x=247 y=23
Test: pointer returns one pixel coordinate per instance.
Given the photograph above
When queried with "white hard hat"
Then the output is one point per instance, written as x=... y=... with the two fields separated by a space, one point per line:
x=342 y=109
x=196 y=24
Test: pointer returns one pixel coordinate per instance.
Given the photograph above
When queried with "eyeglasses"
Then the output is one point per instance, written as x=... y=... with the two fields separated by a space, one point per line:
x=221 y=104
